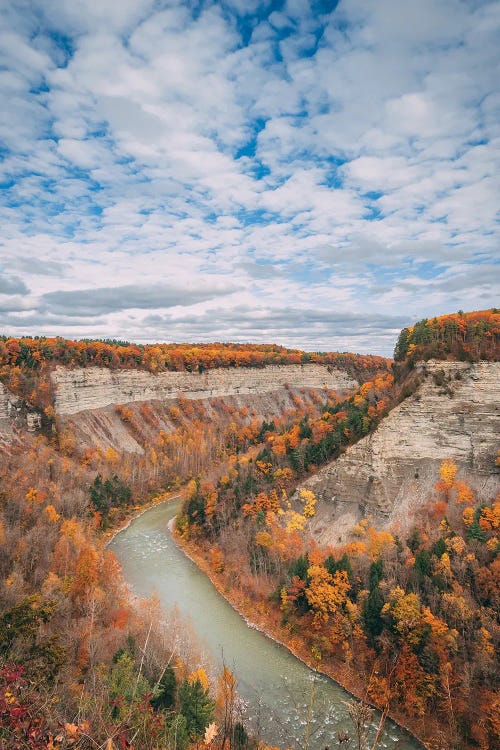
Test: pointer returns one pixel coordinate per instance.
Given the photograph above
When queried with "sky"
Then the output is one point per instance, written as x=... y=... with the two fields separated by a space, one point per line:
x=311 y=173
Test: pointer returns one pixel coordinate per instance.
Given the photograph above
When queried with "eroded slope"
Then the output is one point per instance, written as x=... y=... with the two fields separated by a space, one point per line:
x=454 y=413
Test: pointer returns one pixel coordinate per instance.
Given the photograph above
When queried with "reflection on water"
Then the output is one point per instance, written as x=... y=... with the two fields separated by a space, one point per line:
x=274 y=685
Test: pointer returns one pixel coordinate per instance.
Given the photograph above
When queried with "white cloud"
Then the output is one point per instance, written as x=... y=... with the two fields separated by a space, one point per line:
x=347 y=163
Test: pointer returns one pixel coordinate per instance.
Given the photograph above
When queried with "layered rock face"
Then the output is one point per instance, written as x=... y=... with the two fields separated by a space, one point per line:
x=455 y=413
x=94 y=387
x=14 y=409
x=4 y=403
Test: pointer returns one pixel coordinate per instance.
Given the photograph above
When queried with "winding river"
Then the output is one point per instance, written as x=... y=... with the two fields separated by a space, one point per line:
x=275 y=686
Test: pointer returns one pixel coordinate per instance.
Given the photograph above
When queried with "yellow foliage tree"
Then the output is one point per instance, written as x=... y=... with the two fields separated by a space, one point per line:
x=448 y=472
x=111 y=455
x=468 y=516
x=378 y=542
x=201 y=676
x=464 y=493
x=52 y=514
x=263 y=539
x=295 y=522
x=405 y=609
x=309 y=499
x=326 y=593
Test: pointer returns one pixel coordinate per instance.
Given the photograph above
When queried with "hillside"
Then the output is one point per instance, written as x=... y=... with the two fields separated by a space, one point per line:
x=80 y=448
x=380 y=567
x=453 y=413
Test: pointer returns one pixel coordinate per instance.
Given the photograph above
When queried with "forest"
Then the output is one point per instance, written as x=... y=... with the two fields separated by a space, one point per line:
x=81 y=664
x=461 y=336
x=26 y=363
x=410 y=622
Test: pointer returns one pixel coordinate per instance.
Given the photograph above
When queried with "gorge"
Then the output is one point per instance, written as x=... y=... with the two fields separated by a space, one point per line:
x=344 y=506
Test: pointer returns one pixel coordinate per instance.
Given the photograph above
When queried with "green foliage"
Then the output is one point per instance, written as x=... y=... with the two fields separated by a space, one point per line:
x=177 y=732
x=21 y=630
x=305 y=429
x=111 y=493
x=23 y=620
x=376 y=573
x=343 y=563
x=439 y=548
x=402 y=345
x=196 y=706
x=300 y=567
x=126 y=687
x=414 y=541
x=194 y=507
x=166 y=691
x=240 y=737
x=372 y=614
x=423 y=563
x=464 y=336
x=265 y=428
x=476 y=532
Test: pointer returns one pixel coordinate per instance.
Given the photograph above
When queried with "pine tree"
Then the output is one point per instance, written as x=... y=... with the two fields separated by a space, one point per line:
x=196 y=706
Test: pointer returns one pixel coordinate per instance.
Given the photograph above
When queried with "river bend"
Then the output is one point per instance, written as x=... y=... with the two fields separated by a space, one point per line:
x=275 y=686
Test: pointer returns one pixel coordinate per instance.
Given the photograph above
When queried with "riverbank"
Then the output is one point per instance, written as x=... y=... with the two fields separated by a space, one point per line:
x=258 y=615
x=137 y=512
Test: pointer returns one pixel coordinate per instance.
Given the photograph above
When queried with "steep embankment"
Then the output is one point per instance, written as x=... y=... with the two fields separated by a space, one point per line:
x=96 y=387
x=454 y=413
x=4 y=403
x=85 y=397
x=14 y=409
x=86 y=400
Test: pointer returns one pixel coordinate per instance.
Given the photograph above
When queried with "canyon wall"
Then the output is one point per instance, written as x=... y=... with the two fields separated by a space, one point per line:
x=80 y=389
x=454 y=413
x=14 y=409
x=4 y=403
x=104 y=428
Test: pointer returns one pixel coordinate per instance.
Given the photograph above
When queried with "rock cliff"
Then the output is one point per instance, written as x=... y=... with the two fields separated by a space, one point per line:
x=94 y=388
x=14 y=409
x=4 y=403
x=454 y=413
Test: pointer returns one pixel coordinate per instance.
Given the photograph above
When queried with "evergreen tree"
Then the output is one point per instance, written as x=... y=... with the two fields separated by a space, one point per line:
x=196 y=706
x=166 y=691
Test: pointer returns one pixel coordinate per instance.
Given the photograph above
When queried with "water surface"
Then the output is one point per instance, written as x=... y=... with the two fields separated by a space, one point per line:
x=275 y=686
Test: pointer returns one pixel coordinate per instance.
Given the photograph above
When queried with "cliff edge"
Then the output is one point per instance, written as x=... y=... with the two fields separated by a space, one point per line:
x=454 y=413
x=80 y=388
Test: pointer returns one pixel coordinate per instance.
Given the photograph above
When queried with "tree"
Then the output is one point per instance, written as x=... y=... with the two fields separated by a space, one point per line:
x=127 y=688
x=372 y=617
x=196 y=706
x=227 y=704
x=111 y=493
x=166 y=691
x=326 y=593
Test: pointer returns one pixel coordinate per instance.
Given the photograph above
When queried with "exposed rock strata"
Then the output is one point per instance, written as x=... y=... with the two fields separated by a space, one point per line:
x=15 y=410
x=4 y=403
x=455 y=413
x=94 y=387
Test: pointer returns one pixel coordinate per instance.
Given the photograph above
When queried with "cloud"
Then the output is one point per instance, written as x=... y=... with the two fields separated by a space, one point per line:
x=308 y=328
x=12 y=285
x=90 y=302
x=241 y=167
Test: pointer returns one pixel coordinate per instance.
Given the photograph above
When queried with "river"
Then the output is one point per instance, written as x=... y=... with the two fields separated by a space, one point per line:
x=274 y=685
